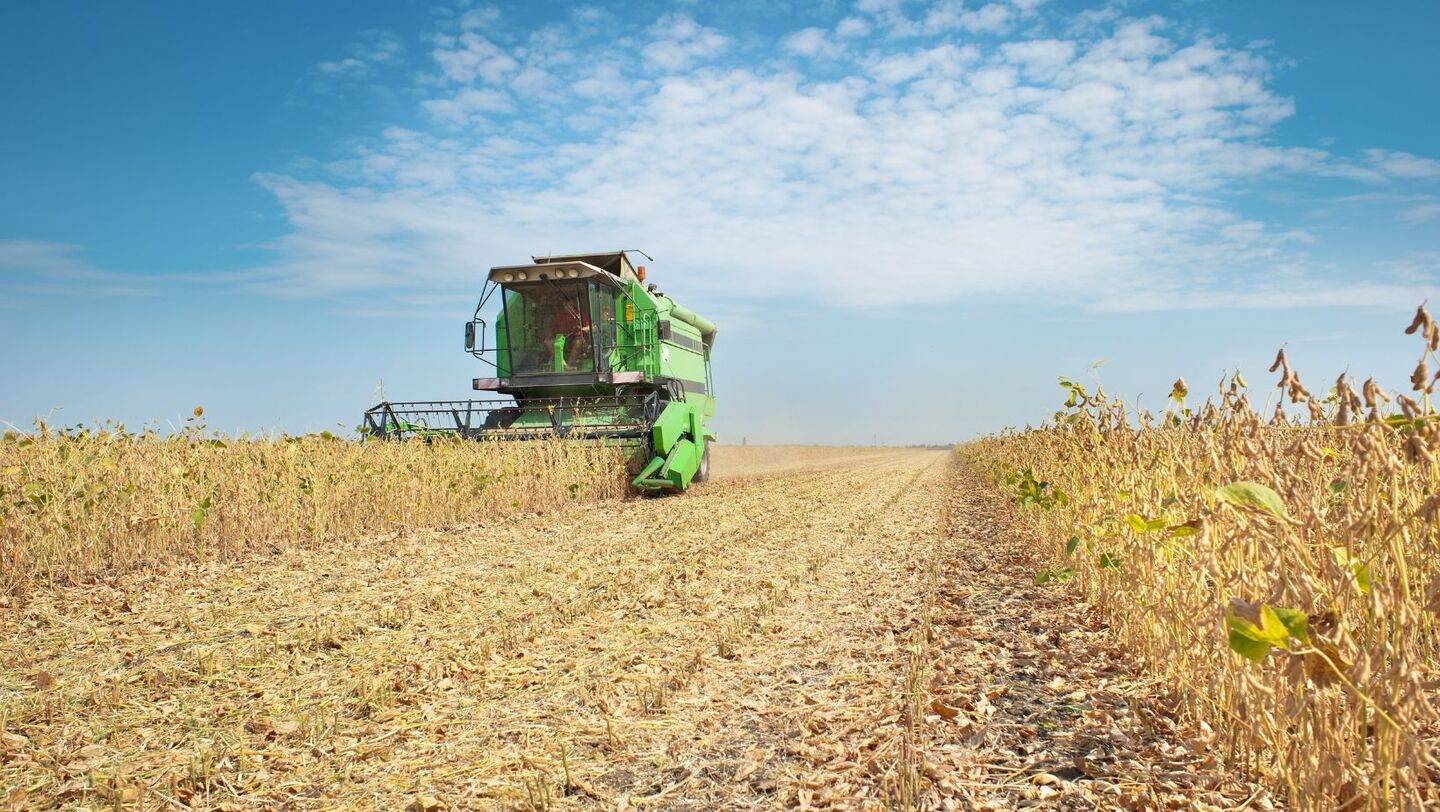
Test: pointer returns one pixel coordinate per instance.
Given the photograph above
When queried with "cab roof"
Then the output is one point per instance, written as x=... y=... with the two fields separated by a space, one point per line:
x=614 y=263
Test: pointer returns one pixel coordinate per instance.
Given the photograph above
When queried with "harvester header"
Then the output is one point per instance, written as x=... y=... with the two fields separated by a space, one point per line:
x=582 y=348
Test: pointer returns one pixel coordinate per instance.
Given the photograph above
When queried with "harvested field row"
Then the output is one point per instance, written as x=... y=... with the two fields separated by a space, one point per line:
x=321 y=673
x=757 y=460
x=762 y=642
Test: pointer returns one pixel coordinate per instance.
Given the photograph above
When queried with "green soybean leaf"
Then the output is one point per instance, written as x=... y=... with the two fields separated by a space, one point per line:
x=1190 y=528
x=1136 y=523
x=1362 y=577
x=1243 y=627
x=1109 y=561
x=1252 y=494
x=1295 y=622
x=1154 y=524
x=197 y=516
x=1042 y=577
x=1338 y=485
x=1358 y=570
x=1272 y=629
x=1071 y=545
x=1245 y=645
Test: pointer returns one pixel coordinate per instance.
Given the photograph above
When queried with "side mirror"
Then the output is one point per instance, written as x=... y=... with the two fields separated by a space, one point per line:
x=475 y=337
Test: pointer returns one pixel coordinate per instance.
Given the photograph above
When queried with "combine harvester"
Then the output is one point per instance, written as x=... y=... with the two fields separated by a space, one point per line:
x=585 y=350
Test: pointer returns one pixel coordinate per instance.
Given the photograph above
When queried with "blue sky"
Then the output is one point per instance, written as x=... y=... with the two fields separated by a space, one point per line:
x=906 y=218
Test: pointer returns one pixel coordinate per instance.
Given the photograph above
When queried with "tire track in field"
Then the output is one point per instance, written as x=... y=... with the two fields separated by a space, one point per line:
x=1041 y=708
x=811 y=711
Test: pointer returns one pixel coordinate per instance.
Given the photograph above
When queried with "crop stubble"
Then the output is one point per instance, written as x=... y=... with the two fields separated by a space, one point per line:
x=818 y=638
x=558 y=659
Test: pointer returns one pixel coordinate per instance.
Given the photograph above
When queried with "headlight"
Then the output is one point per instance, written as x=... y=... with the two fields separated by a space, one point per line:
x=574 y=273
x=509 y=277
x=522 y=276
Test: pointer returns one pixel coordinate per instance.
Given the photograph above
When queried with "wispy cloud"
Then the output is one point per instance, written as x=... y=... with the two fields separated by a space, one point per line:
x=1341 y=294
x=370 y=51
x=40 y=267
x=1402 y=164
x=1423 y=213
x=44 y=268
x=962 y=150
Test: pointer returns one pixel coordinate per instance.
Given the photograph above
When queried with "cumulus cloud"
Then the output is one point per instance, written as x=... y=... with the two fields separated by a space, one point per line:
x=945 y=16
x=1088 y=163
x=852 y=27
x=812 y=42
x=952 y=15
x=678 y=42
x=467 y=104
x=470 y=56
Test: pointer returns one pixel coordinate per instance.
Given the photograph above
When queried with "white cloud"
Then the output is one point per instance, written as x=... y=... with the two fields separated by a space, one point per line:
x=1402 y=164
x=40 y=256
x=41 y=267
x=1422 y=213
x=467 y=104
x=478 y=18
x=1088 y=165
x=678 y=42
x=951 y=15
x=1339 y=294
x=943 y=61
x=470 y=56
x=945 y=16
x=852 y=27
x=812 y=42
x=370 y=48
x=1040 y=56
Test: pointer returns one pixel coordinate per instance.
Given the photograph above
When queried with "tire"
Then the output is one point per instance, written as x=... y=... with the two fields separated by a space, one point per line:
x=703 y=475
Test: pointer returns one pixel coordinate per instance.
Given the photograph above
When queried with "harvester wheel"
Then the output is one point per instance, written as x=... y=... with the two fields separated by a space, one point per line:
x=703 y=474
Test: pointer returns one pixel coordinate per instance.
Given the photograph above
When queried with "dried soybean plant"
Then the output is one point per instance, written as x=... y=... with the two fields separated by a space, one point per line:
x=83 y=502
x=1278 y=575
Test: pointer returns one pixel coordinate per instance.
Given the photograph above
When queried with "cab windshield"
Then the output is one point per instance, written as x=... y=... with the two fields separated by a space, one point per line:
x=548 y=328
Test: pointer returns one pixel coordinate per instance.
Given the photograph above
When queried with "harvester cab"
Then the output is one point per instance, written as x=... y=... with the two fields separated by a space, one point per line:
x=582 y=348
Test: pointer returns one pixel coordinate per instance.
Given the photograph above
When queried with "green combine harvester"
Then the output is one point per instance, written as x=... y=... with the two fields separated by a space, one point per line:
x=582 y=349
